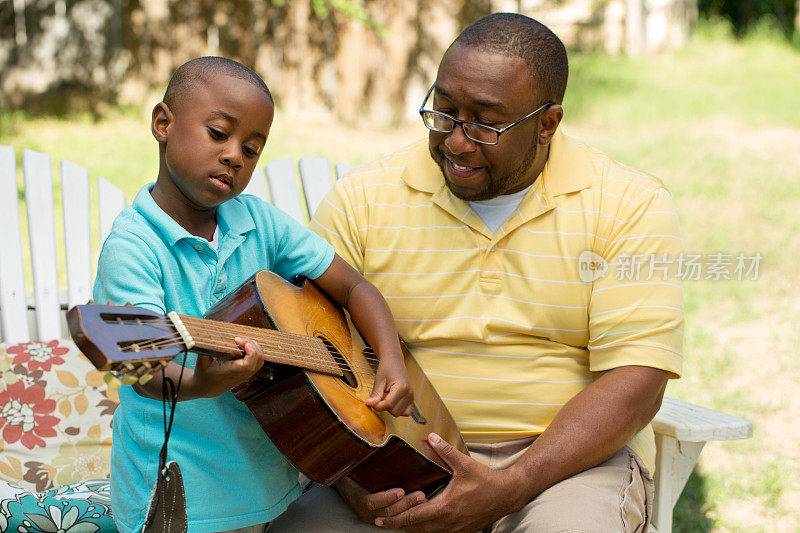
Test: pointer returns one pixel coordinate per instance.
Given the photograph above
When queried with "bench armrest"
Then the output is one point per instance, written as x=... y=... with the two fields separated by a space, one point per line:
x=682 y=429
x=691 y=423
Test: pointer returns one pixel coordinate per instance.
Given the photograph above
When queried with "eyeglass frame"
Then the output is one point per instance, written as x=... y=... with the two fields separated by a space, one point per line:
x=457 y=122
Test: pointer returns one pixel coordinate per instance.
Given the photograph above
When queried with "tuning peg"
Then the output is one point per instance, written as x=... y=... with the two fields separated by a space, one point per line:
x=144 y=372
x=128 y=375
x=90 y=302
x=112 y=381
x=109 y=303
x=128 y=304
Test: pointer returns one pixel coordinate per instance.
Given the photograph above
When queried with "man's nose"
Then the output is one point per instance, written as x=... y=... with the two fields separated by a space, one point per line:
x=457 y=141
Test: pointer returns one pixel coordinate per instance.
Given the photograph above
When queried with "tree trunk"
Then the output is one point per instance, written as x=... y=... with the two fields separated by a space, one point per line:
x=797 y=19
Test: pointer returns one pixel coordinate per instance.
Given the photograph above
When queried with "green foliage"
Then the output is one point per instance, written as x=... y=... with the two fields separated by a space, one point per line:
x=691 y=512
x=352 y=9
x=755 y=78
x=746 y=15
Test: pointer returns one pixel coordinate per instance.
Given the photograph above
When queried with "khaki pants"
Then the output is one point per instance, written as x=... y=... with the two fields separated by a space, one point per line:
x=614 y=496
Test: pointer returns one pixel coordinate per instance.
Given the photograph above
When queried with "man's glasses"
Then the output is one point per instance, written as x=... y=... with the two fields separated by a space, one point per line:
x=479 y=133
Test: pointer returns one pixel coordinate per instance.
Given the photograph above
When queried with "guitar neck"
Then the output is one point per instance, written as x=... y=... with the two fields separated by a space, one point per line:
x=215 y=338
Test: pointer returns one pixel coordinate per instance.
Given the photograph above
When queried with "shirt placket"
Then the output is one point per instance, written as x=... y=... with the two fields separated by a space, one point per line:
x=228 y=243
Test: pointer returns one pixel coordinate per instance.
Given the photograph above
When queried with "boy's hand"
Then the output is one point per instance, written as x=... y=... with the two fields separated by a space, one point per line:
x=215 y=376
x=391 y=391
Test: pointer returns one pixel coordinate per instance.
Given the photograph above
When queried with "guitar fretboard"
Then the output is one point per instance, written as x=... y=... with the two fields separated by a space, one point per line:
x=217 y=338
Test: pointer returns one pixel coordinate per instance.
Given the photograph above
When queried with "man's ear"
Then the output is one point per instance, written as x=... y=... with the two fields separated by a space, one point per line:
x=161 y=121
x=548 y=123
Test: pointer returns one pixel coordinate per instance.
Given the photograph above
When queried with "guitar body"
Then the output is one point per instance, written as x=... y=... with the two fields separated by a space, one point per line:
x=320 y=422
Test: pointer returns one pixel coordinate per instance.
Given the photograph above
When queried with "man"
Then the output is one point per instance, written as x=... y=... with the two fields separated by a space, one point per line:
x=520 y=265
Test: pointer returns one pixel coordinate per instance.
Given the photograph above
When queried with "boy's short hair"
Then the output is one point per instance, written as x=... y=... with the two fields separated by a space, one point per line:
x=200 y=68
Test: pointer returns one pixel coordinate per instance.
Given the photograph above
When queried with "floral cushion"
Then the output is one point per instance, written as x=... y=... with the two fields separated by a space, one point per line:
x=55 y=416
x=83 y=507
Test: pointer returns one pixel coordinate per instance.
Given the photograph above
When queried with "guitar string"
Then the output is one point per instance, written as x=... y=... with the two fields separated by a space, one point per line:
x=287 y=355
x=278 y=357
x=273 y=338
x=223 y=329
x=290 y=340
x=293 y=357
x=367 y=383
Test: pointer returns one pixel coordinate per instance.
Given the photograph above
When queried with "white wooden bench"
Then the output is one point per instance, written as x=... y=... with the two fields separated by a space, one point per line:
x=682 y=429
x=43 y=310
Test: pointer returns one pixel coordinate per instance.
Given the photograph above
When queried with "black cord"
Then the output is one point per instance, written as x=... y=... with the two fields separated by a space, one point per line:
x=169 y=394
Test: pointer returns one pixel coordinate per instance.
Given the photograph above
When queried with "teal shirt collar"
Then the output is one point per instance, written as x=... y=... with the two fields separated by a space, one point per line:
x=233 y=218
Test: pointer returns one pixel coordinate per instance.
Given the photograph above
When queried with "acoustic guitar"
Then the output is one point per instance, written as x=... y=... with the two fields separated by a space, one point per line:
x=309 y=396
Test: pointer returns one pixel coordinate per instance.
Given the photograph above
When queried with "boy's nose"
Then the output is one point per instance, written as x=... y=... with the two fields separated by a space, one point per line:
x=231 y=158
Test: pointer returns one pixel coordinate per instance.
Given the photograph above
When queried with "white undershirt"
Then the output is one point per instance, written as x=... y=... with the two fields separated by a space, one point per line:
x=214 y=242
x=495 y=211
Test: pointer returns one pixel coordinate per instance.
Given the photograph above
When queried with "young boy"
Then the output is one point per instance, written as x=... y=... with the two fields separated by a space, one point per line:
x=186 y=242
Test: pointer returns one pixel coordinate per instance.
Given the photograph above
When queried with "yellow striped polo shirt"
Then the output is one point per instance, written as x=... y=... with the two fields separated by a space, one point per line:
x=510 y=325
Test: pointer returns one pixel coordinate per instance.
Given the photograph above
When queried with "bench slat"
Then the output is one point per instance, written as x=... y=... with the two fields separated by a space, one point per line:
x=41 y=229
x=283 y=188
x=692 y=423
x=315 y=173
x=256 y=186
x=13 y=307
x=342 y=169
x=77 y=233
x=110 y=201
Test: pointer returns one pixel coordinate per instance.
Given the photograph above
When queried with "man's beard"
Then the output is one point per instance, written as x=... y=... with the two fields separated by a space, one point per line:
x=493 y=188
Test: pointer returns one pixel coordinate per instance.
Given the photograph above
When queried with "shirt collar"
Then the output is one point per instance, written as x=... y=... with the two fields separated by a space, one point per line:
x=233 y=217
x=422 y=173
x=567 y=169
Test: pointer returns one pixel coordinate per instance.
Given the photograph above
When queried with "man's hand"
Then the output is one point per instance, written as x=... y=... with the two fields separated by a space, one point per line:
x=370 y=506
x=475 y=497
x=391 y=391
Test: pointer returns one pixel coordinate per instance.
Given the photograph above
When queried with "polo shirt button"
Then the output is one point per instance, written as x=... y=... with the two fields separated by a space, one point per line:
x=198 y=246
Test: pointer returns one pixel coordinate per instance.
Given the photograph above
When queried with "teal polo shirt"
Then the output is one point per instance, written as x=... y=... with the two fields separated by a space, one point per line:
x=233 y=474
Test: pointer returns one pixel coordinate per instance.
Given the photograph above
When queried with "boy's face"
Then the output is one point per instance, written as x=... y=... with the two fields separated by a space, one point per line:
x=213 y=139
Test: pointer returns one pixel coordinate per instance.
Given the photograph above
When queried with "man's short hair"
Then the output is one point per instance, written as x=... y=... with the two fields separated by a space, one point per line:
x=201 y=68
x=517 y=35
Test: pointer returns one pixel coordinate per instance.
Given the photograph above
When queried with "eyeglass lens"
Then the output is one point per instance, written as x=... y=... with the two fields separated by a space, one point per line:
x=442 y=123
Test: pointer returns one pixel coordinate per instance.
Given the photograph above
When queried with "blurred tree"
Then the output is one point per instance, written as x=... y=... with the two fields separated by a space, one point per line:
x=745 y=14
x=356 y=60
x=797 y=18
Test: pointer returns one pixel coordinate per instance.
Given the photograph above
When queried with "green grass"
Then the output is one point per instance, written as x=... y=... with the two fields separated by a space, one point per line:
x=719 y=123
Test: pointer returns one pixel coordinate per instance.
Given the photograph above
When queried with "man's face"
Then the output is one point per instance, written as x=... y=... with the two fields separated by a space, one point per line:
x=215 y=139
x=492 y=89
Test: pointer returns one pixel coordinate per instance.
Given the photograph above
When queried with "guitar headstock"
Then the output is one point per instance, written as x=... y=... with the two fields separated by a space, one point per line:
x=132 y=342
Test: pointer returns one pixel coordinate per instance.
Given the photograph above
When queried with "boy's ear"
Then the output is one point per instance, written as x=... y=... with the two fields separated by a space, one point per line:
x=162 y=119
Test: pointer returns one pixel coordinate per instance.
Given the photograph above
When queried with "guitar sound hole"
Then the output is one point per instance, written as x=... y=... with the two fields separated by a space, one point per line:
x=347 y=374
